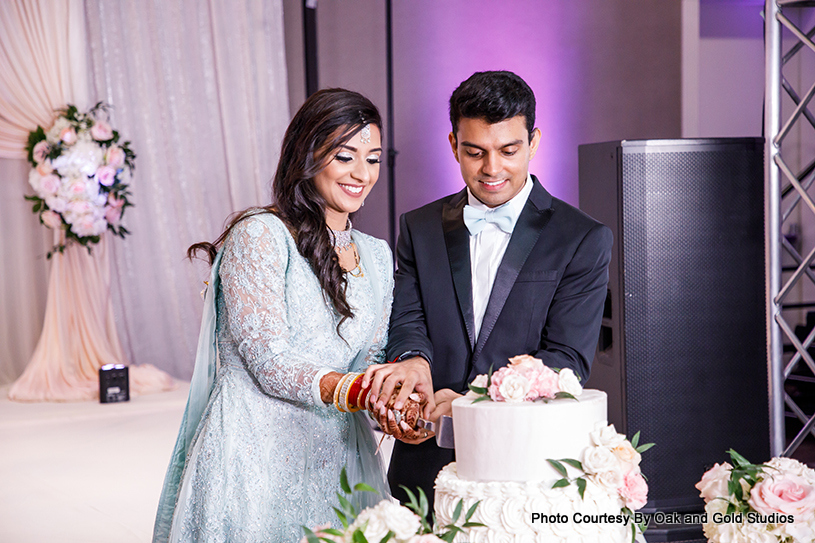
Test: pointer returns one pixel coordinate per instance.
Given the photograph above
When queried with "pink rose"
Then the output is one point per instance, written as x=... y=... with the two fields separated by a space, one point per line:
x=495 y=385
x=77 y=187
x=634 y=491
x=113 y=215
x=545 y=384
x=49 y=185
x=101 y=131
x=40 y=150
x=115 y=157
x=106 y=175
x=783 y=493
x=68 y=135
x=51 y=219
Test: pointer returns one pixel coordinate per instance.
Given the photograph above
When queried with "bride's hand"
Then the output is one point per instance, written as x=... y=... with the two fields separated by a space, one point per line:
x=401 y=423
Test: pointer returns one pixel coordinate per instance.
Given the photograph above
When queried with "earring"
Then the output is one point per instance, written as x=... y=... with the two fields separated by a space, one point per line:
x=363 y=203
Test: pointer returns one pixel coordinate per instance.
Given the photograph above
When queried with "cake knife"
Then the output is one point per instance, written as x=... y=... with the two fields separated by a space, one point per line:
x=443 y=429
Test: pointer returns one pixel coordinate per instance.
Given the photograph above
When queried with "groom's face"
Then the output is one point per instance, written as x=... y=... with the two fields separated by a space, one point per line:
x=494 y=158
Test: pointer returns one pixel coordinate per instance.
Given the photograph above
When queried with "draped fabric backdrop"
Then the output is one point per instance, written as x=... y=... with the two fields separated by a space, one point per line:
x=200 y=90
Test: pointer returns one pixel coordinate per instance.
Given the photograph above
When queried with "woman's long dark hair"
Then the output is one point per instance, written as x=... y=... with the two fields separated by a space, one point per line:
x=327 y=119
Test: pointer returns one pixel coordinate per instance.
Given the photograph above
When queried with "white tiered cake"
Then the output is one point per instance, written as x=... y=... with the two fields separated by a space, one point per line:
x=502 y=450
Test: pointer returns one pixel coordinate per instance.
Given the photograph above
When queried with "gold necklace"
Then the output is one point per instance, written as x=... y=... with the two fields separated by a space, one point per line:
x=359 y=273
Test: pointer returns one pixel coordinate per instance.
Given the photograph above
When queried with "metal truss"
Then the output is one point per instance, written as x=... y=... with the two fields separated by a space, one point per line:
x=785 y=191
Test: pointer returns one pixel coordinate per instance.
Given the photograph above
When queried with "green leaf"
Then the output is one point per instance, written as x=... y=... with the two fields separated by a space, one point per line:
x=564 y=395
x=581 y=486
x=346 y=505
x=457 y=510
x=477 y=390
x=359 y=537
x=644 y=447
x=331 y=531
x=448 y=537
x=388 y=536
x=558 y=466
x=572 y=462
x=342 y=517
x=363 y=487
x=344 y=481
x=561 y=483
x=413 y=503
x=482 y=399
x=738 y=459
x=635 y=439
x=473 y=525
x=310 y=536
x=423 y=504
x=471 y=511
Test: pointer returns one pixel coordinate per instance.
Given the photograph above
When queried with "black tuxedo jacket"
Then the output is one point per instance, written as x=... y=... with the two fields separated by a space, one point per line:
x=547 y=301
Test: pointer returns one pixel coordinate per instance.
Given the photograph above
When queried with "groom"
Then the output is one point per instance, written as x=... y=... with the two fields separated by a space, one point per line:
x=499 y=269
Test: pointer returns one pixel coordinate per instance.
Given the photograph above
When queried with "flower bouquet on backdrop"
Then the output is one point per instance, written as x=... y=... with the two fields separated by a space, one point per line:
x=387 y=521
x=79 y=172
x=772 y=502
x=526 y=378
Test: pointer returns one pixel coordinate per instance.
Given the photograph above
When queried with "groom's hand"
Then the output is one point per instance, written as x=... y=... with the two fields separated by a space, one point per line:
x=412 y=374
x=444 y=404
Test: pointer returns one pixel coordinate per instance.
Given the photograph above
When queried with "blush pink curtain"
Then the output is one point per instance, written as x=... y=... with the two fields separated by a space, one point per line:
x=43 y=66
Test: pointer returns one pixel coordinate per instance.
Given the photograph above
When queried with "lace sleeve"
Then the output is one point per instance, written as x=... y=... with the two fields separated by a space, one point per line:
x=384 y=261
x=253 y=279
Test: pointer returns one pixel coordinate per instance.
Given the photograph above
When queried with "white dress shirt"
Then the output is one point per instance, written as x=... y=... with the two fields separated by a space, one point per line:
x=487 y=249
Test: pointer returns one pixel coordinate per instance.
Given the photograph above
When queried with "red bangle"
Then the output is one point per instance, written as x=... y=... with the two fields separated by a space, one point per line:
x=353 y=393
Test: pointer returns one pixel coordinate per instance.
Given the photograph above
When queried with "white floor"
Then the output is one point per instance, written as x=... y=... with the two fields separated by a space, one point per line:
x=86 y=472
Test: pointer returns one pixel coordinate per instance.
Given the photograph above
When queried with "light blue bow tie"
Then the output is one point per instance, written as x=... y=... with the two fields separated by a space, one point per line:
x=476 y=219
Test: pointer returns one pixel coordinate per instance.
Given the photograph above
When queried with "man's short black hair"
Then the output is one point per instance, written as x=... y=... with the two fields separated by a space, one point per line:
x=494 y=97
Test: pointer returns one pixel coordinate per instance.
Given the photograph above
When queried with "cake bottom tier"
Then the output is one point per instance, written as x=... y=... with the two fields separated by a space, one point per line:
x=531 y=512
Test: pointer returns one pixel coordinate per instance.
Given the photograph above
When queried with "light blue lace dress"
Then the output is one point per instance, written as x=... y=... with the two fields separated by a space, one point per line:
x=265 y=458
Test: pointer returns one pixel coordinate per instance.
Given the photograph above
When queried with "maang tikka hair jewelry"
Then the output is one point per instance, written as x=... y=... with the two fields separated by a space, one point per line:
x=365 y=134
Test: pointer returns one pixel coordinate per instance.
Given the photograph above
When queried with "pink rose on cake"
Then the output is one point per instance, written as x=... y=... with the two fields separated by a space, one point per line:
x=526 y=378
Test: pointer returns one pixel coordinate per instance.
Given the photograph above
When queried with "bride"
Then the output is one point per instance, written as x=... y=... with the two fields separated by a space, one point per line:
x=296 y=300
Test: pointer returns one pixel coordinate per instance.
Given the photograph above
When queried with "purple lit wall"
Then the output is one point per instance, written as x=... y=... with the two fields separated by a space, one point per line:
x=599 y=70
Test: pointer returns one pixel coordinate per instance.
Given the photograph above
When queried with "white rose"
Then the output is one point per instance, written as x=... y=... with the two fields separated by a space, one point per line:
x=606 y=436
x=714 y=482
x=479 y=381
x=387 y=516
x=610 y=480
x=57 y=204
x=599 y=460
x=568 y=382
x=627 y=455
x=757 y=533
x=790 y=465
x=514 y=388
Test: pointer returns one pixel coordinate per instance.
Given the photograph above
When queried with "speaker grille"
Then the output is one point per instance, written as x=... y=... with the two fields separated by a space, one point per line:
x=693 y=276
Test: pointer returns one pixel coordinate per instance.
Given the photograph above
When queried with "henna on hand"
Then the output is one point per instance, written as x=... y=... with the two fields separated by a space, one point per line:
x=327 y=385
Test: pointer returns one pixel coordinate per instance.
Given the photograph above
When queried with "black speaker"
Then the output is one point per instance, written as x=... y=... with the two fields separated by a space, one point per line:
x=682 y=350
x=114 y=383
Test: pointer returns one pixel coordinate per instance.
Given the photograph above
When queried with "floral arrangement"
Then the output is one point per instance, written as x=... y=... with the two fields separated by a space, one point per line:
x=772 y=502
x=386 y=521
x=525 y=379
x=78 y=175
x=611 y=463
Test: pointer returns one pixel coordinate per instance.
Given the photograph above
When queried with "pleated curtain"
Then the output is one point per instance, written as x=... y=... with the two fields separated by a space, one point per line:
x=199 y=88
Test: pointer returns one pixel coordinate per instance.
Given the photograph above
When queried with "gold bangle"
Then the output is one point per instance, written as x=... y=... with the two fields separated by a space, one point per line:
x=337 y=393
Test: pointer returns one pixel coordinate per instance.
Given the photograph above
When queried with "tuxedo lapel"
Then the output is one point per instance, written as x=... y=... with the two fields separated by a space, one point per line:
x=533 y=219
x=457 y=239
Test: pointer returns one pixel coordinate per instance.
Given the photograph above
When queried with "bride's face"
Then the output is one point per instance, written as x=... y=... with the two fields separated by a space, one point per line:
x=352 y=171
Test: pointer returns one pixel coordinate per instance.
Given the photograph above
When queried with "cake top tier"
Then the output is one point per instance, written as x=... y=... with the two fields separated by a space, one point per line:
x=510 y=441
